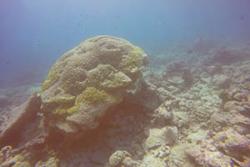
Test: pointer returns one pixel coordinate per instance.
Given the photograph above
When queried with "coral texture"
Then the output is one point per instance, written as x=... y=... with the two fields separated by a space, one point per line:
x=89 y=79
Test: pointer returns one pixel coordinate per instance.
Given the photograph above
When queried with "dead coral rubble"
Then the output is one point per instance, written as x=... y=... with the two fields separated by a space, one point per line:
x=98 y=109
x=212 y=115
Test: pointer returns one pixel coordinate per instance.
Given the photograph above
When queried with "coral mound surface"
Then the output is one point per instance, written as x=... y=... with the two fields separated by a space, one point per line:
x=88 y=80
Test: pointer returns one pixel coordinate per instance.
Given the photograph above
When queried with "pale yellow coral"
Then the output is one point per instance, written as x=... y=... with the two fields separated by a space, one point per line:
x=107 y=77
x=53 y=76
x=132 y=62
x=92 y=95
x=51 y=162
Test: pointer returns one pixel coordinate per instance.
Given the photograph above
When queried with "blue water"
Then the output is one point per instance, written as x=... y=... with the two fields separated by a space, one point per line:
x=34 y=33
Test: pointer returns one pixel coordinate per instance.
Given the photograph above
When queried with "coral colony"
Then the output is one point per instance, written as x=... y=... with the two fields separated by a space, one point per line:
x=103 y=105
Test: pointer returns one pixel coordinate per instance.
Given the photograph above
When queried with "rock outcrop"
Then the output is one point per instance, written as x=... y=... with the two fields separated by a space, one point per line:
x=19 y=118
x=88 y=80
x=98 y=108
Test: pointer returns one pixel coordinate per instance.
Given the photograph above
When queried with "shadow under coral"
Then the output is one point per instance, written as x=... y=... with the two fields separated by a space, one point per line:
x=121 y=129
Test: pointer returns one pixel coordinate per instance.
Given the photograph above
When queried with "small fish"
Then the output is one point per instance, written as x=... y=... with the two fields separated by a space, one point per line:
x=232 y=163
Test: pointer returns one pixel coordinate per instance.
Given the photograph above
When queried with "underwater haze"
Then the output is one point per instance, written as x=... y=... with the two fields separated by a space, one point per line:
x=33 y=34
x=125 y=83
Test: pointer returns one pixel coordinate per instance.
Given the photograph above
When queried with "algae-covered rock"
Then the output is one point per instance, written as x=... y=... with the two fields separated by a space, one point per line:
x=123 y=159
x=117 y=157
x=208 y=158
x=18 y=160
x=232 y=143
x=178 y=157
x=17 y=118
x=160 y=137
x=89 y=79
x=51 y=162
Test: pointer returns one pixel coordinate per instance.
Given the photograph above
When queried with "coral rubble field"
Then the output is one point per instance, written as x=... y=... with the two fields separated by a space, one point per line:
x=106 y=103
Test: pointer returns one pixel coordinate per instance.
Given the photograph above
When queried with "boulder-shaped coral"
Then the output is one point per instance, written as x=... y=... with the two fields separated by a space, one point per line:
x=89 y=79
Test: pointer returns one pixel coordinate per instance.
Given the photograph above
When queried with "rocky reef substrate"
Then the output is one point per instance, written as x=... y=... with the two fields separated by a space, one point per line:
x=101 y=105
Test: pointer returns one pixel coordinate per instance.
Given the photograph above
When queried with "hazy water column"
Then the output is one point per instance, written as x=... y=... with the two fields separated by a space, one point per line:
x=34 y=33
